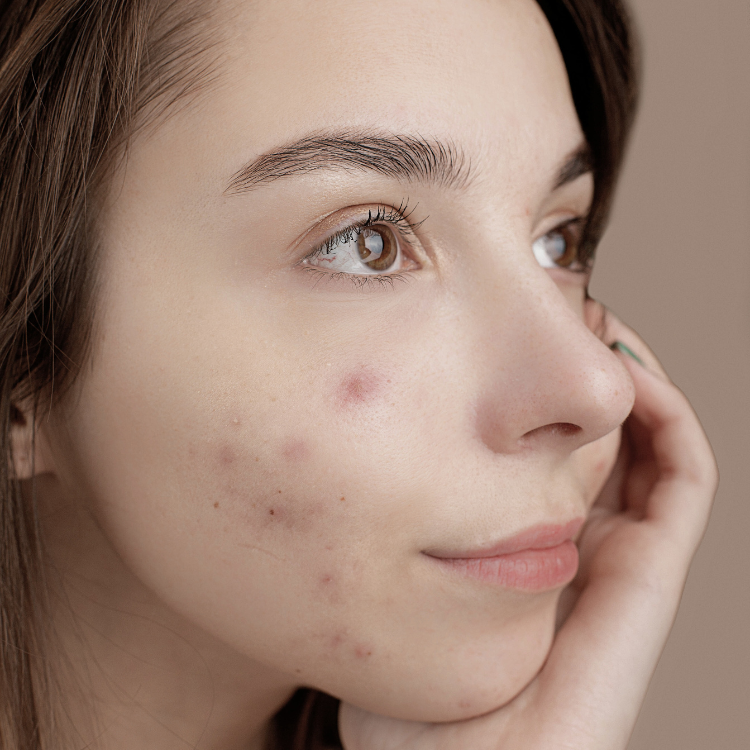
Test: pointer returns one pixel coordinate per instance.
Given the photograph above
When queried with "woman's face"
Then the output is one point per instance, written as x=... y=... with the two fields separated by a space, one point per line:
x=288 y=417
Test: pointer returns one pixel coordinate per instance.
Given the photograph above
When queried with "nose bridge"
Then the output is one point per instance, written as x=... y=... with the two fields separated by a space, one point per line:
x=544 y=369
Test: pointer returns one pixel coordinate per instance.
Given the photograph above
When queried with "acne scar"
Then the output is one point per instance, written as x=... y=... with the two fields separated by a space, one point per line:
x=337 y=639
x=227 y=455
x=295 y=450
x=357 y=388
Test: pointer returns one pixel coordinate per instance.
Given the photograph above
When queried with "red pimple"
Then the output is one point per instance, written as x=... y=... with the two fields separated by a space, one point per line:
x=358 y=387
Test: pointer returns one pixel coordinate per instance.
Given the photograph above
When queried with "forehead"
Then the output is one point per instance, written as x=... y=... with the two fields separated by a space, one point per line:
x=485 y=73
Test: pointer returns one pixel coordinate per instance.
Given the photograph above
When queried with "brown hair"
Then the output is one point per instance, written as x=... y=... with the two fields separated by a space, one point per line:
x=76 y=78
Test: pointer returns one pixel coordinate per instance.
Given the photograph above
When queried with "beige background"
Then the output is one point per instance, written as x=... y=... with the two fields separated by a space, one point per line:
x=675 y=264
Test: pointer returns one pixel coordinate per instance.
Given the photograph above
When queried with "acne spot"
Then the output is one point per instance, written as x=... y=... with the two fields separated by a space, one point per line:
x=336 y=640
x=358 y=388
x=227 y=456
x=295 y=450
x=362 y=652
x=326 y=579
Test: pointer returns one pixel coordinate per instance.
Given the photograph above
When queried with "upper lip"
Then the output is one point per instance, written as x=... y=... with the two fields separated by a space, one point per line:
x=542 y=536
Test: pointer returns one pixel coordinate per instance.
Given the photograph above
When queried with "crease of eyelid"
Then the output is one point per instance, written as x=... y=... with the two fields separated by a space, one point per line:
x=407 y=157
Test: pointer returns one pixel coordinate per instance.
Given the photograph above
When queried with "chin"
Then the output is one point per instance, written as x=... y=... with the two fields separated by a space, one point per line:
x=461 y=680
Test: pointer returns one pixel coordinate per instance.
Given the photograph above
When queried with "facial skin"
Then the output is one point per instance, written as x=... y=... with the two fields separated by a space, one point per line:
x=259 y=455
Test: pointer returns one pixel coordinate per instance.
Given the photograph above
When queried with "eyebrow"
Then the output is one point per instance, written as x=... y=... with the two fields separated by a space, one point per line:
x=406 y=157
x=580 y=162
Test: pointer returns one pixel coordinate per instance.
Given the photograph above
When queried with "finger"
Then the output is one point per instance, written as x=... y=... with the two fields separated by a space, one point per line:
x=611 y=329
x=606 y=651
x=684 y=465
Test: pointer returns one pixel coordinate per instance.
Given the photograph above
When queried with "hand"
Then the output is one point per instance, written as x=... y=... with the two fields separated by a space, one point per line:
x=635 y=551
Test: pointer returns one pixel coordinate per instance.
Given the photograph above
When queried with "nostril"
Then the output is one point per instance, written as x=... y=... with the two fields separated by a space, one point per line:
x=557 y=429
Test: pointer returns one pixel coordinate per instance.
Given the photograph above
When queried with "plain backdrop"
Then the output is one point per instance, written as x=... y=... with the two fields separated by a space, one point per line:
x=675 y=264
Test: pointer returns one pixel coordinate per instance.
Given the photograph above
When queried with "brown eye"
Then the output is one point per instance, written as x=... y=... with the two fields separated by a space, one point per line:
x=377 y=247
x=559 y=247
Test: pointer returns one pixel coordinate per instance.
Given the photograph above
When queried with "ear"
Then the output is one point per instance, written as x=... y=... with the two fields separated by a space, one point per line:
x=27 y=444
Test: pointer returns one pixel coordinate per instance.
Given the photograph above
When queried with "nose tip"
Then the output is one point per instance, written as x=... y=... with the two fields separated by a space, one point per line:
x=555 y=386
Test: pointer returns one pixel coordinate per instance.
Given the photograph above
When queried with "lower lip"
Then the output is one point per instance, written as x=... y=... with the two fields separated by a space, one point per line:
x=527 y=570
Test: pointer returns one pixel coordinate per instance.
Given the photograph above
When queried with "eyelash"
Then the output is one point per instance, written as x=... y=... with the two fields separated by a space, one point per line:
x=396 y=217
x=399 y=218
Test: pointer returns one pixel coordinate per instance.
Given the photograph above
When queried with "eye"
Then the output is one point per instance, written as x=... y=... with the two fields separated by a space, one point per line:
x=362 y=250
x=559 y=247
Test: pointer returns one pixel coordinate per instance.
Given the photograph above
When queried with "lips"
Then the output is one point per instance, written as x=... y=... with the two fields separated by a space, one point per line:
x=538 y=559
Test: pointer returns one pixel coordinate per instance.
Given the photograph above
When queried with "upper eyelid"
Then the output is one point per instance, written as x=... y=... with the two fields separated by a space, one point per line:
x=397 y=217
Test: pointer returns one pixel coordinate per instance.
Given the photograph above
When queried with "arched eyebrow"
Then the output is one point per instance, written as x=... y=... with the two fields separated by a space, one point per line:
x=405 y=157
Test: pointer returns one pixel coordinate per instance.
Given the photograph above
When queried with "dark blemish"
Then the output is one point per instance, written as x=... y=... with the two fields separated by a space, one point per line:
x=279 y=492
x=361 y=652
x=343 y=500
x=271 y=512
x=295 y=450
x=298 y=671
x=226 y=455
x=216 y=505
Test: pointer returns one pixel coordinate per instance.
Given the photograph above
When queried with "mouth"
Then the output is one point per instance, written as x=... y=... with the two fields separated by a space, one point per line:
x=541 y=558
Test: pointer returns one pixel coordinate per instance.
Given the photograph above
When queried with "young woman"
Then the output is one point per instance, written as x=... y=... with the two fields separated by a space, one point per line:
x=313 y=433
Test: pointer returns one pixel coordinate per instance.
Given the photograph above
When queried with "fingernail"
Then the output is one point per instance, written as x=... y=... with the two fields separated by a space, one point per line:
x=618 y=345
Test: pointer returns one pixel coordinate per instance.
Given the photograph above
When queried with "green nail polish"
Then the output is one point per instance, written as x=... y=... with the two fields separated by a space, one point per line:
x=627 y=350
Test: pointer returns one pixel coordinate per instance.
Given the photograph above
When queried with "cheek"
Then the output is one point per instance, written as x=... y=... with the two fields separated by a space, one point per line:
x=261 y=485
x=596 y=464
x=288 y=469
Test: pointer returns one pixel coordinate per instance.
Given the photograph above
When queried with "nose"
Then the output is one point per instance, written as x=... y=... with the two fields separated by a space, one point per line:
x=549 y=382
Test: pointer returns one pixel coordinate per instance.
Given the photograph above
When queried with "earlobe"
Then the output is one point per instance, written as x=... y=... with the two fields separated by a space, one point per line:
x=28 y=456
